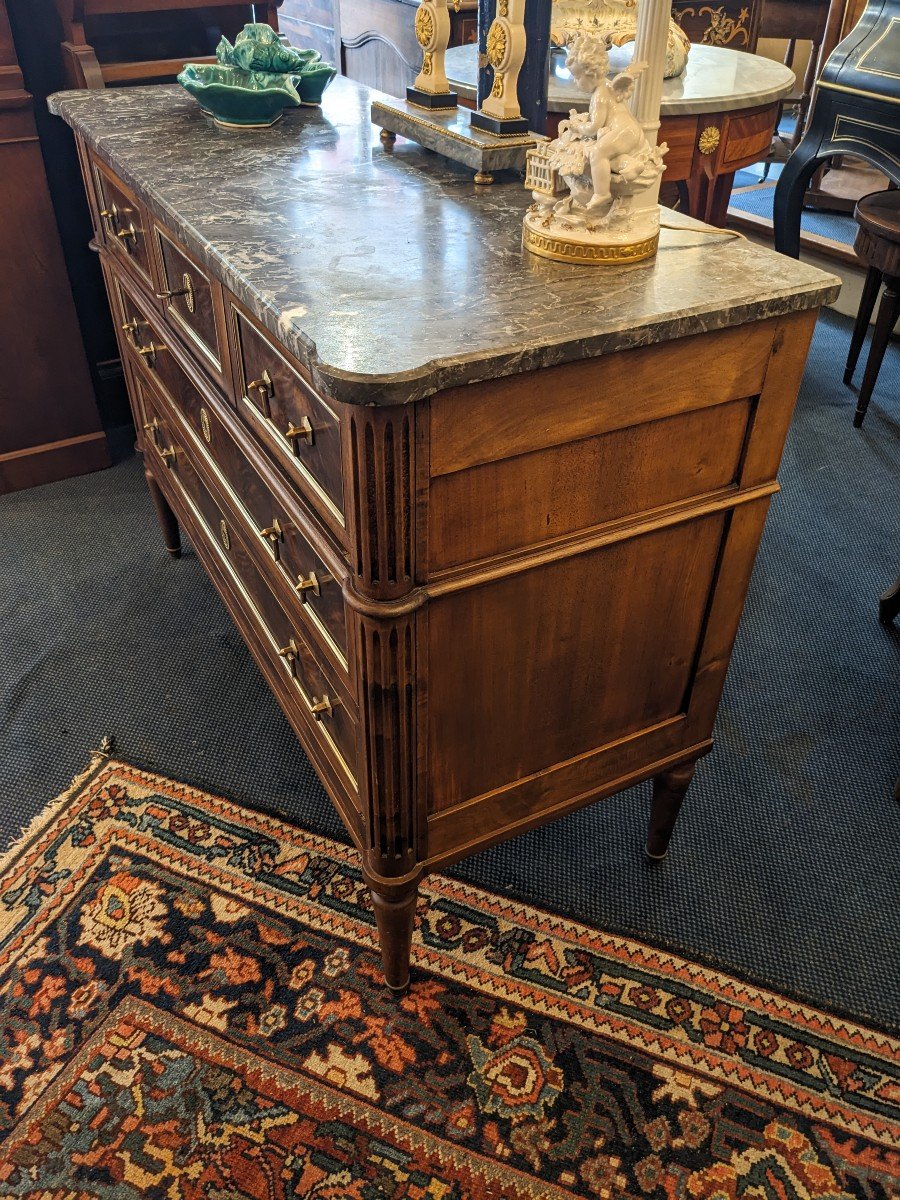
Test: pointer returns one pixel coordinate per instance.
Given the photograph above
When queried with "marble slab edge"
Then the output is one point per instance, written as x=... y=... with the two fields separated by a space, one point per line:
x=437 y=375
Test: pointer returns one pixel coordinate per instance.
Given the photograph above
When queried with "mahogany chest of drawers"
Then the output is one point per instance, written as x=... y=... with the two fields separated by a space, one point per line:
x=483 y=599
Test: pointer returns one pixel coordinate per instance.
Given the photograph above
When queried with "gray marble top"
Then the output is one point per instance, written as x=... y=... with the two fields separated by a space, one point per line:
x=716 y=79
x=390 y=275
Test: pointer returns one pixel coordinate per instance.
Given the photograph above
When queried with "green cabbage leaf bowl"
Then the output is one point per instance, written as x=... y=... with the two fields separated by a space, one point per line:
x=259 y=48
x=234 y=97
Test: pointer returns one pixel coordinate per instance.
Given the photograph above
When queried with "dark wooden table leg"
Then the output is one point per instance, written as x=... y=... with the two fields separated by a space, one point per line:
x=395 y=916
x=871 y=288
x=790 y=192
x=889 y=604
x=669 y=790
x=888 y=312
x=167 y=519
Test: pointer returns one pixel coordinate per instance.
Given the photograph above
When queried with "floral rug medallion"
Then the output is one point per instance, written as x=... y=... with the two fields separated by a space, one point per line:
x=191 y=1007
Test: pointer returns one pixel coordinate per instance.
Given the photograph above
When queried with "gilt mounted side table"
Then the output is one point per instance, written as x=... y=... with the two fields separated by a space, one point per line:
x=718 y=117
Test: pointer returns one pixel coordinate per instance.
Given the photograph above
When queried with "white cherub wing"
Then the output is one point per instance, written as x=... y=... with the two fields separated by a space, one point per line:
x=623 y=84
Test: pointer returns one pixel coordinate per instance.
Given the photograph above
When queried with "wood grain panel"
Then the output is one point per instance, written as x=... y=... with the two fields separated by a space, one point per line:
x=530 y=499
x=748 y=138
x=515 y=415
x=541 y=667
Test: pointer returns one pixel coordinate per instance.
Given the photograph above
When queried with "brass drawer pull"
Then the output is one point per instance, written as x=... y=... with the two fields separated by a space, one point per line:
x=263 y=385
x=151 y=428
x=149 y=353
x=300 y=433
x=265 y=390
x=167 y=454
x=110 y=216
x=322 y=707
x=186 y=290
x=128 y=235
x=273 y=534
x=130 y=329
x=290 y=653
x=308 y=583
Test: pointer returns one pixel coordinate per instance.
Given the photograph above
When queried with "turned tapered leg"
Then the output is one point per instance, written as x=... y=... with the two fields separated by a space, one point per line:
x=167 y=519
x=888 y=312
x=395 y=916
x=668 y=792
x=870 y=291
x=889 y=604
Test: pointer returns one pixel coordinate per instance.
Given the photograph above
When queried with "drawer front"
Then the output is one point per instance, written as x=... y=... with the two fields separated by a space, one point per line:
x=190 y=304
x=165 y=450
x=317 y=587
x=125 y=224
x=277 y=524
x=290 y=417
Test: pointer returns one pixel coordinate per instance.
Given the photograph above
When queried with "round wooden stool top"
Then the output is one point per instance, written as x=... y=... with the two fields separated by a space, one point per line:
x=878 y=239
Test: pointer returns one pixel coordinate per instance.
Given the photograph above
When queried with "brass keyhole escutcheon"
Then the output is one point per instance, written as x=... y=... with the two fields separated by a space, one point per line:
x=186 y=290
x=224 y=535
x=189 y=298
x=205 y=426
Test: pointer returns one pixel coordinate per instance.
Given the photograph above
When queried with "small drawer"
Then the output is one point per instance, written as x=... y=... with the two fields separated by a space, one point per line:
x=167 y=452
x=124 y=223
x=191 y=302
x=287 y=415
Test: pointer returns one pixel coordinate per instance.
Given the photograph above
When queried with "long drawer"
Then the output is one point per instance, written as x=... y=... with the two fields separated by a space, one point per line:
x=288 y=417
x=193 y=306
x=312 y=576
x=317 y=697
x=123 y=223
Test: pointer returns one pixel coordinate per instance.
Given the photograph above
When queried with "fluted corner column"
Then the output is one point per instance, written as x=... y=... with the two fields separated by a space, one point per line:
x=650 y=46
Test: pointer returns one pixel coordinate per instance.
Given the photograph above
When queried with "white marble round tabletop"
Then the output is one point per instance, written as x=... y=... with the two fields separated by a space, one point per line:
x=716 y=80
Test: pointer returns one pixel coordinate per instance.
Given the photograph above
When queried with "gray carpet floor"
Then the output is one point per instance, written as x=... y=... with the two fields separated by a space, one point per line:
x=784 y=866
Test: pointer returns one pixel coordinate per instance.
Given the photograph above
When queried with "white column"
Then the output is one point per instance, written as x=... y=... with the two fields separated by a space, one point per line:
x=650 y=47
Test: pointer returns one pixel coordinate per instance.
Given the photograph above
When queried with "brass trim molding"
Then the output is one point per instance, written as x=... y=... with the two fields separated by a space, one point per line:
x=583 y=252
x=852 y=91
x=843 y=120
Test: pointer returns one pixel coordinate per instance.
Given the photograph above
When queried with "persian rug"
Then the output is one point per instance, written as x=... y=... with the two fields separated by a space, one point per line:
x=191 y=1009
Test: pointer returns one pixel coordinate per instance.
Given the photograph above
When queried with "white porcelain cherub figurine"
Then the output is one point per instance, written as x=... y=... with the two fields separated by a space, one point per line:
x=601 y=155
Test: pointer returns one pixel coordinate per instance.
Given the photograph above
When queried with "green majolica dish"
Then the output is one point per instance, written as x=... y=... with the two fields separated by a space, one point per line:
x=314 y=78
x=259 y=48
x=242 y=98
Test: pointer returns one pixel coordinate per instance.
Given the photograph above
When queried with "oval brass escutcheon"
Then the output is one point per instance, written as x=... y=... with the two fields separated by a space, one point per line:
x=224 y=535
x=205 y=426
x=189 y=299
